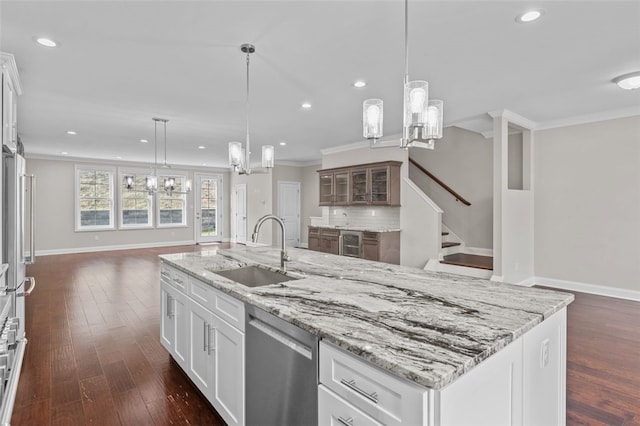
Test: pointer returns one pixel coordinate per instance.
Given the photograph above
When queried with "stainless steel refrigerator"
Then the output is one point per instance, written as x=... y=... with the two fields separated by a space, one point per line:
x=18 y=250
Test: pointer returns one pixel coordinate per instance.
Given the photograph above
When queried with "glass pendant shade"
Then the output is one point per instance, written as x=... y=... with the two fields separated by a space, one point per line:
x=416 y=102
x=187 y=185
x=267 y=156
x=152 y=183
x=128 y=182
x=372 y=117
x=170 y=184
x=434 y=119
x=235 y=154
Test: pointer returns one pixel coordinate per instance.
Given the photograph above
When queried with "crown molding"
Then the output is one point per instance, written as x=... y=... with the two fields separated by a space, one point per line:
x=123 y=163
x=590 y=118
x=388 y=142
x=299 y=163
x=9 y=63
x=514 y=118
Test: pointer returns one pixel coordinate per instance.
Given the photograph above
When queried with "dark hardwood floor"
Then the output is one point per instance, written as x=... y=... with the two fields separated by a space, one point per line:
x=94 y=354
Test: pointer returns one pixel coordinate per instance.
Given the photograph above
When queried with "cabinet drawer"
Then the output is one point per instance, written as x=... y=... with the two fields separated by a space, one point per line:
x=180 y=280
x=166 y=273
x=225 y=306
x=335 y=411
x=314 y=231
x=373 y=236
x=326 y=232
x=386 y=398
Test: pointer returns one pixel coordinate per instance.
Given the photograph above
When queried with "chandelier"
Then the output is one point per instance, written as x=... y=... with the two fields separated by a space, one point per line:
x=239 y=157
x=422 y=123
x=151 y=181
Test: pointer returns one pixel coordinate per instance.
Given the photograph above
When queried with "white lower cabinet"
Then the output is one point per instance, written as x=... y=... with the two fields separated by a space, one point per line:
x=335 y=411
x=206 y=346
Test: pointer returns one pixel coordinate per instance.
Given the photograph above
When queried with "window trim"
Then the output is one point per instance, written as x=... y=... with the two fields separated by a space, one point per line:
x=122 y=172
x=174 y=173
x=77 y=219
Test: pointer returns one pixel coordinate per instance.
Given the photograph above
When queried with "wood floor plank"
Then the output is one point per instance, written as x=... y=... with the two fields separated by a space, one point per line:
x=93 y=310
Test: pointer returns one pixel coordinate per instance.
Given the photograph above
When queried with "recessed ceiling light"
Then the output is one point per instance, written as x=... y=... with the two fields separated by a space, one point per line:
x=144 y=140
x=529 y=16
x=72 y=132
x=64 y=153
x=201 y=147
x=306 y=105
x=204 y=164
x=118 y=158
x=359 y=84
x=46 y=42
x=283 y=143
x=628 y=81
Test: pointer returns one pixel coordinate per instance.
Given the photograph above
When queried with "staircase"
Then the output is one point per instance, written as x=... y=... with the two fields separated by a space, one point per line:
x=454 y=260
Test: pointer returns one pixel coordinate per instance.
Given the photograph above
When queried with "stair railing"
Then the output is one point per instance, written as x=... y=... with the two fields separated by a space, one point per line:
x=446 y=187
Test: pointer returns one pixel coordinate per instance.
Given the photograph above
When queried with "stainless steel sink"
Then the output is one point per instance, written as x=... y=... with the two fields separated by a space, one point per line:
x=254 y=276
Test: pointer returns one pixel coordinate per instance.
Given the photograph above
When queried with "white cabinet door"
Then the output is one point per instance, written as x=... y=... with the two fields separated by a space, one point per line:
x=167 y=325
x=181 y=324
x=228 y=374
x=200 y=368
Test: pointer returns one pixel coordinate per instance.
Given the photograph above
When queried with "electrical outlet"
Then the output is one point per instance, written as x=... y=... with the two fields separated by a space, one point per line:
x=96 y=237
x=544 y=353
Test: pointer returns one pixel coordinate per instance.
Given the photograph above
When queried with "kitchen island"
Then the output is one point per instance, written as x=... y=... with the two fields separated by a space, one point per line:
x=432 y=330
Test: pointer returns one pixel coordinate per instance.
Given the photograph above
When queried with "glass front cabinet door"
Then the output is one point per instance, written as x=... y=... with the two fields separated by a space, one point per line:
x=341 y=185
x=359 y=186
x=379 y=185
x=326 y=189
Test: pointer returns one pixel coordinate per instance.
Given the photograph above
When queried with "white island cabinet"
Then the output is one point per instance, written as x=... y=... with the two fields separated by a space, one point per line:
x=208 y=348
x=398 y=346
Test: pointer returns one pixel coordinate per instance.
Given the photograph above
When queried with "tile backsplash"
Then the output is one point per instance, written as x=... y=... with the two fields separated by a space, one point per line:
x=375 y=217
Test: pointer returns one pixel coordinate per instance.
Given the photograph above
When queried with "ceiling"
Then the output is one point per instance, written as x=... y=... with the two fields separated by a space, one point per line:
x=121 y=63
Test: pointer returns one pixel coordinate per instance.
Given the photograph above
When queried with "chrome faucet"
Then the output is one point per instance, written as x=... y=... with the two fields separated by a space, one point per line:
x=283 y=251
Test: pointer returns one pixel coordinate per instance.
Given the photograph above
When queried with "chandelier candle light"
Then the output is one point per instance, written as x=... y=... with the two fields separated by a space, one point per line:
x=152 y=180
x=422 y=117
x=239 y=157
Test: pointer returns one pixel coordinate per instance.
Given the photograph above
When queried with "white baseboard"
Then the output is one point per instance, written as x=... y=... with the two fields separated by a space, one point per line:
x=114 y=247
x=303 y=245
x=619 y=293
x=497 y=278
x=479 y=251
x=529 y=282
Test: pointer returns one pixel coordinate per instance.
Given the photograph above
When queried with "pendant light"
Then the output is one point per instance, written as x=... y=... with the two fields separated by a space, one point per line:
x=239 y=156
x=422 y=123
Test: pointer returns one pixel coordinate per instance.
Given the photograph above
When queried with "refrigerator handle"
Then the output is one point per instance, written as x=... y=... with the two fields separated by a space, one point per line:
x=32 y=220
x=31 y=287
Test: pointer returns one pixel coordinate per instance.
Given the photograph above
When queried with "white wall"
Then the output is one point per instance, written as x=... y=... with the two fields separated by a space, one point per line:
x=310 y=198
x=259 y=203
x=463 y=160
x=283 y=174
x=55 y=214
x=587 y=203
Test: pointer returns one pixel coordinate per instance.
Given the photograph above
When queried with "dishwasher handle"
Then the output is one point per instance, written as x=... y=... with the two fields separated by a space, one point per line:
x=280 y=337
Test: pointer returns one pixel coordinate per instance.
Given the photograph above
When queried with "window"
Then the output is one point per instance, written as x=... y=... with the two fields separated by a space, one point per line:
x=94 y=198
x=172 y=207
x=135 y=203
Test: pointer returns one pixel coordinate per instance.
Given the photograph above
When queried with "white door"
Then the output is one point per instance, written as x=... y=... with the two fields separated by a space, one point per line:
x=241 y=213
x=228 y=373
x=200 y=353
x=289 y=211
x=181 y=325
x=208 y=209
x=167 y=326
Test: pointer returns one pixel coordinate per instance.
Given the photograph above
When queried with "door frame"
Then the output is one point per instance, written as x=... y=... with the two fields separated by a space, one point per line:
x=235 y=191
x=219 y=207
x=297 y=184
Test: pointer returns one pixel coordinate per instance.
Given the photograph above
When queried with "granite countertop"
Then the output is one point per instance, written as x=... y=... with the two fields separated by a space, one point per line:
x=427 y=327
x=357 y=228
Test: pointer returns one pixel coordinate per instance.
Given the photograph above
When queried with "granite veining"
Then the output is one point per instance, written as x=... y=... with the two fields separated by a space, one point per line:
x=430 y=328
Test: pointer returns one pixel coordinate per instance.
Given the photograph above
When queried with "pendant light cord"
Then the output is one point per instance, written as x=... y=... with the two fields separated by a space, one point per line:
x=247 y=165
x=155 y=146
x=165 y=143
x=406 y=41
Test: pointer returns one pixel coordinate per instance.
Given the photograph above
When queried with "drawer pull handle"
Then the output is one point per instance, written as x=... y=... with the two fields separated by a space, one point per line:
x=346 y=422
x=165 y=275
x=351 y=384
x=178 y=280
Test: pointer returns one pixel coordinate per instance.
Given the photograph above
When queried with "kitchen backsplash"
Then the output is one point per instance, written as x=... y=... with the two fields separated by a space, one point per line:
x=378 y=217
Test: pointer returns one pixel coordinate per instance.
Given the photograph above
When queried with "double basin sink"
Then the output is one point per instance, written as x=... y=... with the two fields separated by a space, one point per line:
x=254 y=276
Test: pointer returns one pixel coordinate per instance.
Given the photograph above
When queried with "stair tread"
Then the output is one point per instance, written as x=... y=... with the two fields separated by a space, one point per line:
x=447 y=244
x=469 y=260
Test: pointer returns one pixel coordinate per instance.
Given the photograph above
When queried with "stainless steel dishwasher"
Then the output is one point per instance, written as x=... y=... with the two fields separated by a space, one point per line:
x=281 y=372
